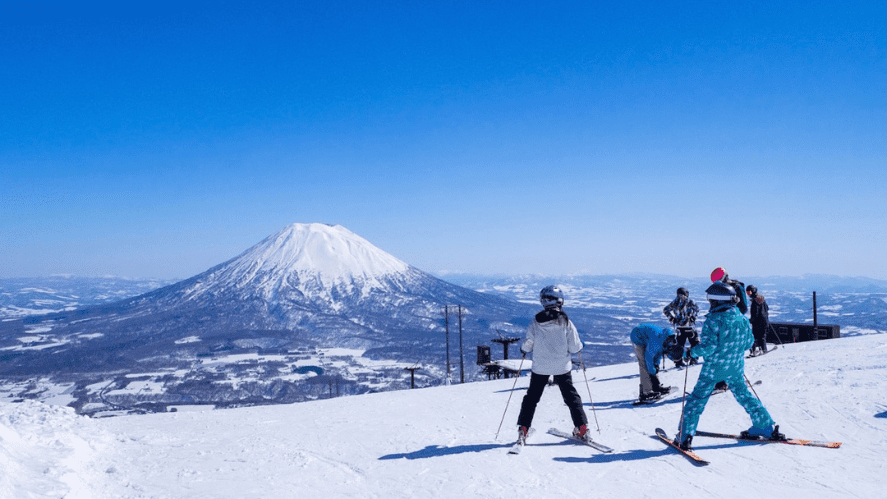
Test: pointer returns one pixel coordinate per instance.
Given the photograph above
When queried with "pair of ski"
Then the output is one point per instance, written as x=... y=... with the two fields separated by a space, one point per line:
x=654 y=398
x=516 y=448
x=758 y=353
x=698 y=460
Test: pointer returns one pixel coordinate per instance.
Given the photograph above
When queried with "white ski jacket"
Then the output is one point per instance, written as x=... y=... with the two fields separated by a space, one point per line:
x=552 y=343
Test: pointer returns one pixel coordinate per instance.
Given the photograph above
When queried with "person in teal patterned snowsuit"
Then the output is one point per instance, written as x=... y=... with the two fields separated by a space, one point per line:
x=726 y=336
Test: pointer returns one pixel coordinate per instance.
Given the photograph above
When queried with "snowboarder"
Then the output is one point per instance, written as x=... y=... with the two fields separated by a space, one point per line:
x=650 y=343
x=760 y=319
x=681 y=312
x=553 y=339
x=726 y=335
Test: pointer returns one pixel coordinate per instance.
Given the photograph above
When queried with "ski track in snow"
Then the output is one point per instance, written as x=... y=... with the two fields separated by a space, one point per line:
x=439 y=442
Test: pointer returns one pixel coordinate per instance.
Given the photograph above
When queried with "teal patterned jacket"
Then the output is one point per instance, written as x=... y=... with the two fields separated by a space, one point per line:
x=726 y=336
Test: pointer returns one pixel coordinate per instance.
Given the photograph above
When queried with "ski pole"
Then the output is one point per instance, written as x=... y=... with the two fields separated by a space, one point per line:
x=590 y=401
x=683 y=398
x=519 y=367
x=774 y=334
x=750 y=386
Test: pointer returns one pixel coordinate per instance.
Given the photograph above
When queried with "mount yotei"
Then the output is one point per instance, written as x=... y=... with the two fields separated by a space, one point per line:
x=311 y=311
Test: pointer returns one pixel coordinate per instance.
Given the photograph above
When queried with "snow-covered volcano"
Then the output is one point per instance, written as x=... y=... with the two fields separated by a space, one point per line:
x=306 y=286
x=329 y=254
x=325 y=265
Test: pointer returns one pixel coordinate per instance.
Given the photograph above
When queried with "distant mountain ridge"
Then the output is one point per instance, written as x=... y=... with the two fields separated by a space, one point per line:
x=305 y=286
x=313 y=307
x=20 y=297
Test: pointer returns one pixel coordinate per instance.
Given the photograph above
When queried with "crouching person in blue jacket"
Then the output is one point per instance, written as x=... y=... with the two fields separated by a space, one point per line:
x=726 y=335
x=651 y=342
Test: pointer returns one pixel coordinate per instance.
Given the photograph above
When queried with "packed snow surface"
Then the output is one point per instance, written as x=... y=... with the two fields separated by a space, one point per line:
x=442 y=442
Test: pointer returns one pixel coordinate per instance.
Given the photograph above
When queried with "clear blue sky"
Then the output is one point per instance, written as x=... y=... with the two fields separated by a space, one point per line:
x=158 y=140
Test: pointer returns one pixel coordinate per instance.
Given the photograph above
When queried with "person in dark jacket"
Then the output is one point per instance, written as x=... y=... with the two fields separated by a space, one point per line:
x=760 y=319
x=682 y=313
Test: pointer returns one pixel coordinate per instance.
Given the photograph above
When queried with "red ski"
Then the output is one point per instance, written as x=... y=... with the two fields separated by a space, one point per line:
x=790 y=441
x=690 y=454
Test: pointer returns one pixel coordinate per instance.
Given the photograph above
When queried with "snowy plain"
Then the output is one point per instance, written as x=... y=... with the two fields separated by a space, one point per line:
x=441 y=441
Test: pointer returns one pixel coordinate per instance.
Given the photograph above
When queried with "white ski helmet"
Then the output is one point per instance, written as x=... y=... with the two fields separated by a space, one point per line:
x=551 y=296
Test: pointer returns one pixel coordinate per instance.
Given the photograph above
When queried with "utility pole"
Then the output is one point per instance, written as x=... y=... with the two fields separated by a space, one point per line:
x=447 y=323
x=815 y=322
x=461 y=356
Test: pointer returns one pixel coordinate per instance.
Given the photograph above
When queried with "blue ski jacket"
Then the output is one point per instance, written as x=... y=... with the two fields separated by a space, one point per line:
x=651 y=337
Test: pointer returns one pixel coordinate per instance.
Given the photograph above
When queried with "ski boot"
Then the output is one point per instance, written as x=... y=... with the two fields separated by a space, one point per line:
x=581 y=432
x=522 y=433
x=684 y=443
x=658 y=389
x=649 y=397
x=769 y=433
x=662 y=390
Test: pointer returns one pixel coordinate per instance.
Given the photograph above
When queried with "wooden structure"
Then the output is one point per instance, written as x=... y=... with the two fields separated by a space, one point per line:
x=788 y=332
x=505 y=341
x=412 y=371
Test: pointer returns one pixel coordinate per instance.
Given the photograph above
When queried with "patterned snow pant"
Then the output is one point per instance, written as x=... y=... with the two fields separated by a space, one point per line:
x=696 y=401
x=568 y=392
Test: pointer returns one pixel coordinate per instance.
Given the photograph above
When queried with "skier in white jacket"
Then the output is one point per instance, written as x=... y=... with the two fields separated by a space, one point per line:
x=553 y=339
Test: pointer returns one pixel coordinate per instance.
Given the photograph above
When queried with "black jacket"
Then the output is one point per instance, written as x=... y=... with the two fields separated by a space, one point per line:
x=760 y=316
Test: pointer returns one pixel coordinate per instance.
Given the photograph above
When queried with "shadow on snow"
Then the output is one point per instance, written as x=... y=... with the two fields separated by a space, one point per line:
x=631 y=455
x=439 y=451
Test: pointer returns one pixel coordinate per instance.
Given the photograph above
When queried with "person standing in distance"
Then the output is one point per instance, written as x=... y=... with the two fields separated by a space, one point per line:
x=553 y=339
x=682 y=313
x=760 y=319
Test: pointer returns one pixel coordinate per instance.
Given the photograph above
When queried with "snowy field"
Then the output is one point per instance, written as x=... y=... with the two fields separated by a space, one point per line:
x=441 y=442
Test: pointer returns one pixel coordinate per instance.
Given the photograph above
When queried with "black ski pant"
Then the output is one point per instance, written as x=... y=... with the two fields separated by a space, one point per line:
x=760 y=334
x=685 y=334
x=568 y=392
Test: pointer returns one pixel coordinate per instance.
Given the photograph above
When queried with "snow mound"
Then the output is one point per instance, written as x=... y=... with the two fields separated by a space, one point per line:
x=48 y=451
x=443 y=442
